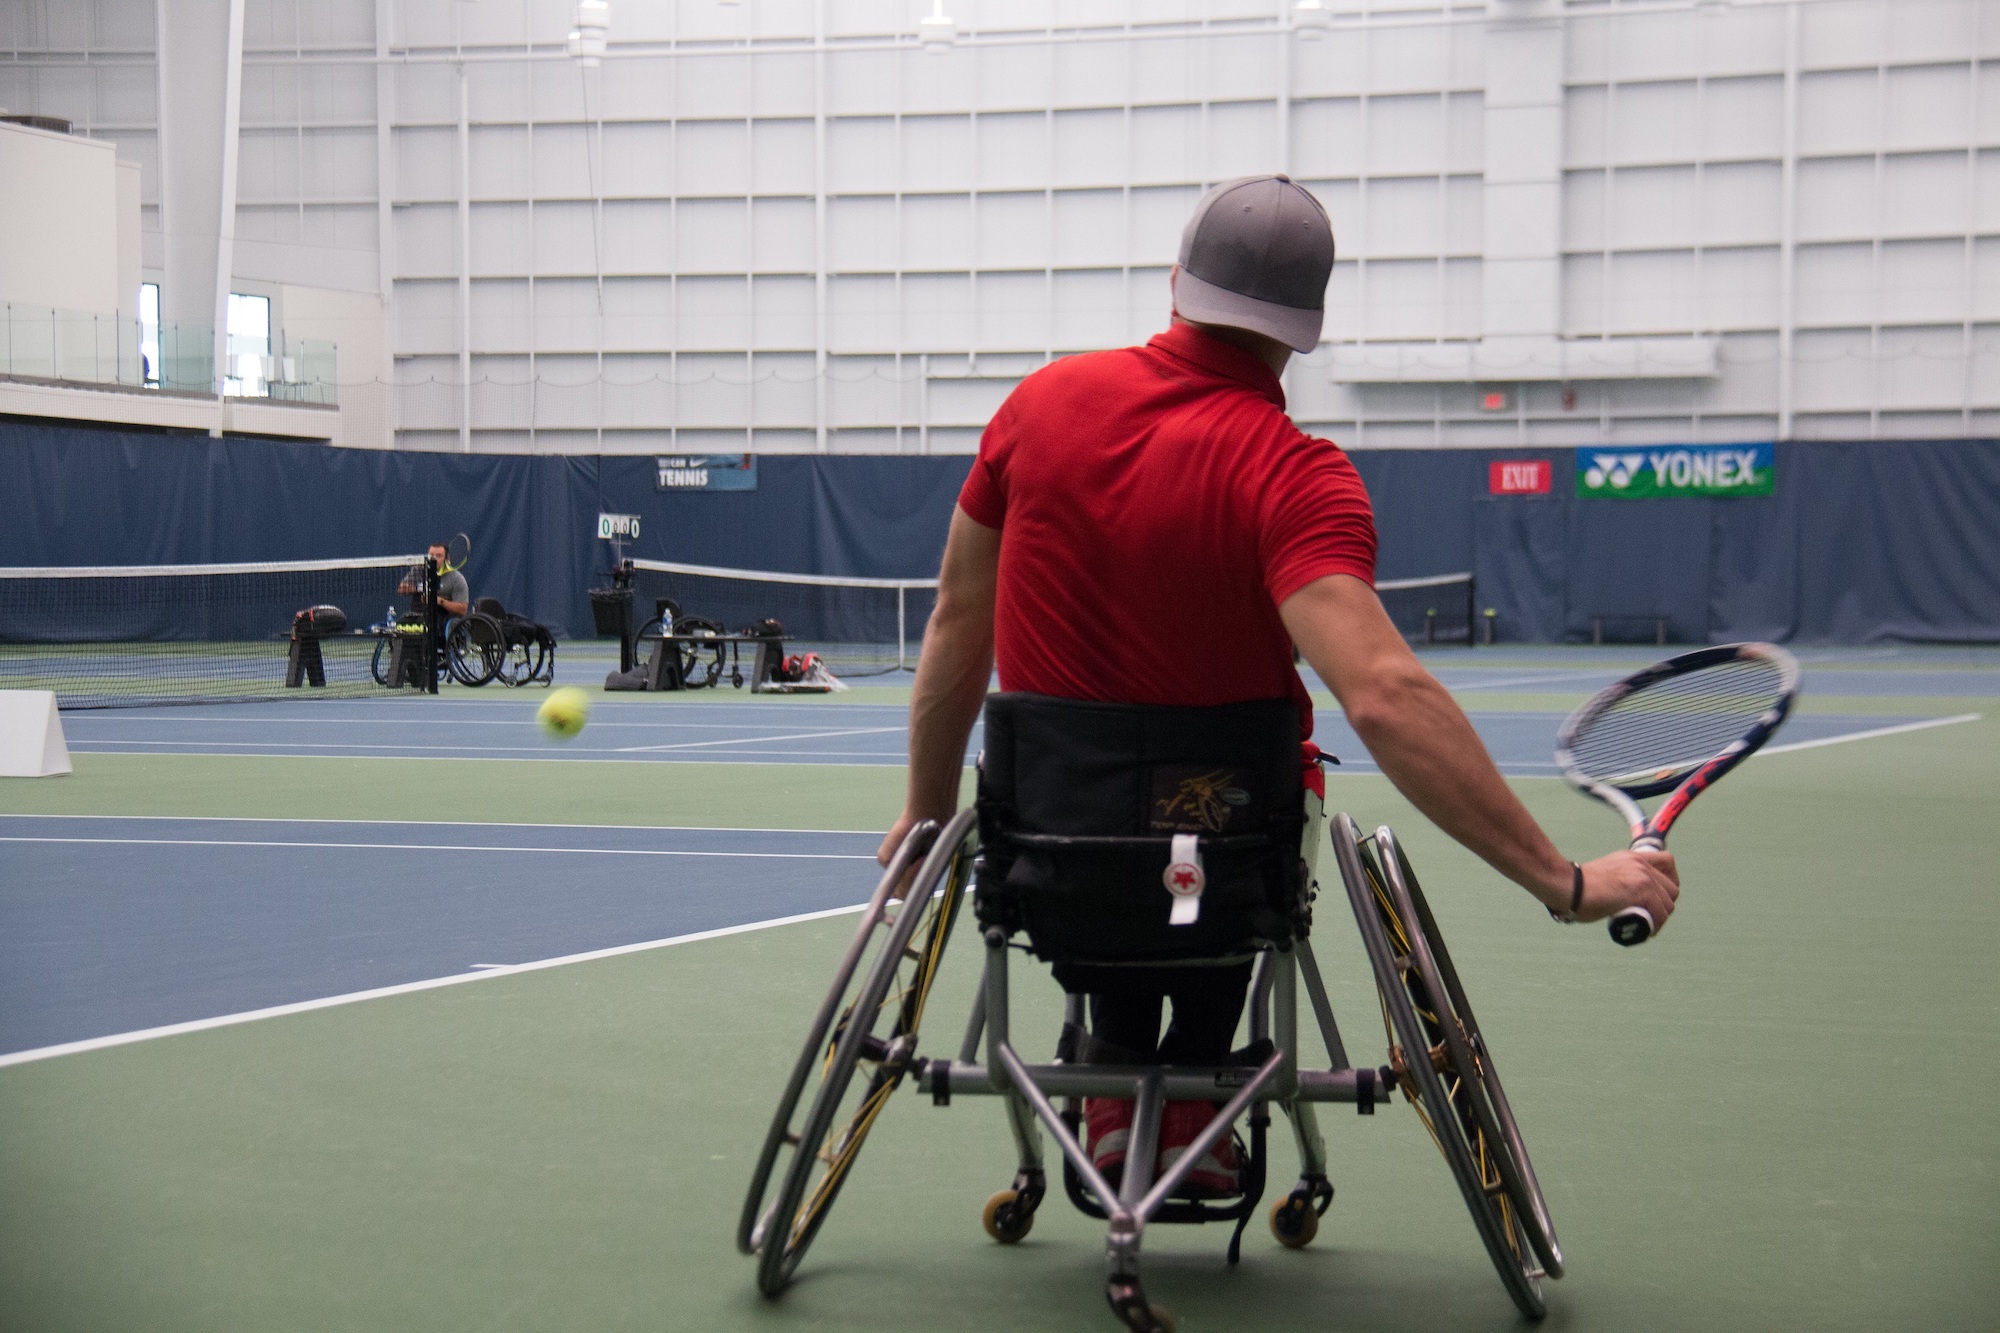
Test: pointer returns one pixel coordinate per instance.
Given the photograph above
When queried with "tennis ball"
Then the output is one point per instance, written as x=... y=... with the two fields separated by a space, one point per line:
x=564 y=712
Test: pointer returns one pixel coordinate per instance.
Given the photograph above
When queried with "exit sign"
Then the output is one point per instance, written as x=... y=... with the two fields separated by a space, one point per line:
x=1518 y=476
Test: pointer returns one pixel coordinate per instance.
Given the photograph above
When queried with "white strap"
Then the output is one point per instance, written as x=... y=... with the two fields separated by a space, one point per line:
x=1185 y=879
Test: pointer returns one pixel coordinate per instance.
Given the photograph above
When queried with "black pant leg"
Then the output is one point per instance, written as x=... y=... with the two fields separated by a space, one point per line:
x=1208 y=1003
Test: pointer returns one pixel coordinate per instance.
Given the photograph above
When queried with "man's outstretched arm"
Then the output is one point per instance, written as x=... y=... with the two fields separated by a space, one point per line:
x=1423 y=741
x=957 y=663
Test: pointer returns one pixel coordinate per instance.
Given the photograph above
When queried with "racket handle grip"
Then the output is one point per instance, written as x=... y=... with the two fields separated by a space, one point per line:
x=1635 y=925
x=1632 y=926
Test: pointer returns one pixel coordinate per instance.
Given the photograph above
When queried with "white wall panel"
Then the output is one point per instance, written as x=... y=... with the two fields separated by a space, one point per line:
x=936 y=153
x=1013 y=311
x=1985 y=286
x=1405 y=136
x=1013 y=230
x=934 y=314
x=1741 y=203
x=937 y=231
x=861 y=155
x=712 y=157
x=638 y=236
x=1837 y=198
x=1013 y=151
x=782 y=234
x=500 y=239
x=713 y=235
x=426 y=317
x=1653 y=207
x=1740 y=289
x=638 y=158
x=1405 y=217
x=565 y=239
x=1089 y=229
x=781 y=157
x=861 y=233
x=1924 y=194
x=1836 y=284
x=1925 y=282
x=427 y=241
x=638 y=314
x=1089 y=147
x=1166 y=144
x=1654 y=122
x=1005 y=201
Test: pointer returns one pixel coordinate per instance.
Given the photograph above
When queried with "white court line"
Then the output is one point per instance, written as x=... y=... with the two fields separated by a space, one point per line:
x=758 y=740
x=484 y=972
x=506 y=757
x=448 y=847
x=523 y=721
x=1542 y=679
x=455 y=823
x=1871 y=734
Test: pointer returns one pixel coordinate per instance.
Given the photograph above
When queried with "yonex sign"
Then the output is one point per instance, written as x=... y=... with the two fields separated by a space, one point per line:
x=1713 y=470
x=617 y=525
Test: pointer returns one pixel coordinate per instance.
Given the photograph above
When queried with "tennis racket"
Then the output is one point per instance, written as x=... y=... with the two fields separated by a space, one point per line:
x=456 y=552
x=1677 y=726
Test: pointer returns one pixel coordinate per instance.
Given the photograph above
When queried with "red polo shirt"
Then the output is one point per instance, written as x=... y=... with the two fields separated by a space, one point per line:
x=1156 y=505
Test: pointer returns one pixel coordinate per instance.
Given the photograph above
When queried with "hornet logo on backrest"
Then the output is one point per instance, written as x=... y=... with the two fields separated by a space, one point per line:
x=1204 y=800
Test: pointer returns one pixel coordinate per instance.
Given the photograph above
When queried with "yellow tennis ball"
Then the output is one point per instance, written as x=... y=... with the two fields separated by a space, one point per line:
x=564 y=712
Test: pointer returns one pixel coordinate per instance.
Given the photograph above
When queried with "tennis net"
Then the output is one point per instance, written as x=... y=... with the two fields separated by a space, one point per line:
x=127 y=636
x=1438 y=609
x=859 y=627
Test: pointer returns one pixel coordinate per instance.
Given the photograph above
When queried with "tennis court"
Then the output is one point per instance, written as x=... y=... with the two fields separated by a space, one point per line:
x=360 y=1013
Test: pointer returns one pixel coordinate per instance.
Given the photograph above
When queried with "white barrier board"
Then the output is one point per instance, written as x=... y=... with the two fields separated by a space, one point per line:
x=31 y=735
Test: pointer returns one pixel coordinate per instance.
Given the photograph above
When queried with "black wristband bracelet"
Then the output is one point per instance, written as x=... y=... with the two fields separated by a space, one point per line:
x=1575 y=896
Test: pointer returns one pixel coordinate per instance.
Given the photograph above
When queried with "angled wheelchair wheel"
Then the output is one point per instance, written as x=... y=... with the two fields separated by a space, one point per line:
x=378 y=665
x=1444 y=1068
x=530 y=658
x=475 y=648
x=860 y=1046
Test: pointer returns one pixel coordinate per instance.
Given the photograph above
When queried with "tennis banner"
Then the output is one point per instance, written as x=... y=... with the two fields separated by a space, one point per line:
x=1708 y=470
x=706 y=472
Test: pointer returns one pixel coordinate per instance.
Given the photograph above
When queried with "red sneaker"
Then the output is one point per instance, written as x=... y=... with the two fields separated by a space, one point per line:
x=1216 y=1174
x=1109 y=1121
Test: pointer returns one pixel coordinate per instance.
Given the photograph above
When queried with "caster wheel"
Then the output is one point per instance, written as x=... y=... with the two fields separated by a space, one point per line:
x=1294 y=1222
x=1005 y=1220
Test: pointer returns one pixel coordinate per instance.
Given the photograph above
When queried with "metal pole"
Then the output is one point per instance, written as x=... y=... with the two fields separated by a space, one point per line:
x=902 y=636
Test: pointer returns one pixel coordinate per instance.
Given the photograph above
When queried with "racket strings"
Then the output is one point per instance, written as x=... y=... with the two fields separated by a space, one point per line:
x=1673 y=725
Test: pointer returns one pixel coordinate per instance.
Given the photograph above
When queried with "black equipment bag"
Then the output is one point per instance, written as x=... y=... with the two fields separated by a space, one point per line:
x=1078 y=805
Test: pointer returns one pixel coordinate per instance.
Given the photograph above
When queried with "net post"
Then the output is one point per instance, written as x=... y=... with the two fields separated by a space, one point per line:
x=902 y=633
x=433 y=624
x=1472 y=612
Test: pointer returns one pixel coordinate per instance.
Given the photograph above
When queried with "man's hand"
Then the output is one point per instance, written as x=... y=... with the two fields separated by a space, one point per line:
x=1630 y=879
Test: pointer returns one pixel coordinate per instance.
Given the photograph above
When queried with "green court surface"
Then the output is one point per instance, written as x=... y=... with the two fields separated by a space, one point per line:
x=1780 y=1115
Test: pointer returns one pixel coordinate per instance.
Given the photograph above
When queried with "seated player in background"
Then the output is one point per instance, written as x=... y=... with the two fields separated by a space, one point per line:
x=1131 y=510
x=454 y=594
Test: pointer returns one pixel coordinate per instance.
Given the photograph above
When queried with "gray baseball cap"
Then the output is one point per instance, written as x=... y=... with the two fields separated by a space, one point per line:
x=1256 y=255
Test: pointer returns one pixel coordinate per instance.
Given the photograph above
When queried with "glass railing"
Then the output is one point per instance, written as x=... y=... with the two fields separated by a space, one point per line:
x=73 y=347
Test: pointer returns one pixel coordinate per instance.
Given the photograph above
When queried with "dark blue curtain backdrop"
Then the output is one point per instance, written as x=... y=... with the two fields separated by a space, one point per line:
x=1863 y=542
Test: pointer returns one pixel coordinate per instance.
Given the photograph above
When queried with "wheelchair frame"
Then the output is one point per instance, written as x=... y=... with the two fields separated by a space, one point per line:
x=1452 y=1084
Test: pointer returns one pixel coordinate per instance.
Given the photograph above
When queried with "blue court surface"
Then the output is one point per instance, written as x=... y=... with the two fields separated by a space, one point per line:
x=117 y=924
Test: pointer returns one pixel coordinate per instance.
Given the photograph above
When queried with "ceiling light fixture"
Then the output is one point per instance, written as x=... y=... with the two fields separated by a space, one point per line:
x=588 y=38
x=938 y=33
x=1310 y=18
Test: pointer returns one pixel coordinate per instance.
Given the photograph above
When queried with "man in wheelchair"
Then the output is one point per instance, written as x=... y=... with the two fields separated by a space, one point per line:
x=1141 y=542
x=1132 y=511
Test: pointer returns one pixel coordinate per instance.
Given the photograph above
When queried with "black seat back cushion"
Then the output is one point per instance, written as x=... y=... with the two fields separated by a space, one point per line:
x=1075 y=767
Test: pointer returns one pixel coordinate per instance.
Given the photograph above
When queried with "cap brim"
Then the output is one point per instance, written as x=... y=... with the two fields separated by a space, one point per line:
x=1205 y=303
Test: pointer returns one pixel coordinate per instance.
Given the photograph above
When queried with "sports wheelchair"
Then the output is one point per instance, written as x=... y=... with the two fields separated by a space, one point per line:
x=1081 y=807
x=485 y=644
